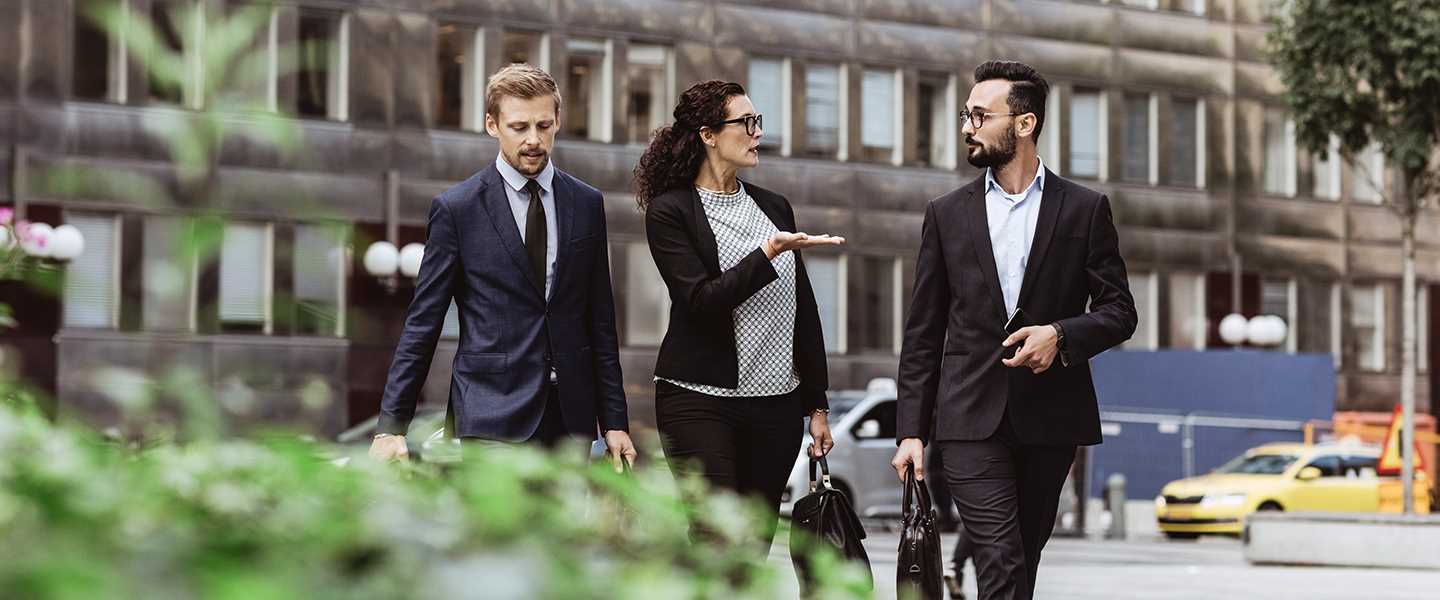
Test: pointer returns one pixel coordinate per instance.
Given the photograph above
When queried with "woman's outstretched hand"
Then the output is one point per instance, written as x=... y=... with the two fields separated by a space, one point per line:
x=784 y=241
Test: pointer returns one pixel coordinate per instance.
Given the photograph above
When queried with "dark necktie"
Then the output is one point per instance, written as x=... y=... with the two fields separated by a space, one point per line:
x=535 y=233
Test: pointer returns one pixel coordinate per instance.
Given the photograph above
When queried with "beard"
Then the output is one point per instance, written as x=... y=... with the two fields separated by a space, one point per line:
x=994 y=157
x=520 y=157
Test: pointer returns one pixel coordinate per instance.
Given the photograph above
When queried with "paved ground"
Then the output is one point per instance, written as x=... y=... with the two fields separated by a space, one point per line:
x=1210 y=569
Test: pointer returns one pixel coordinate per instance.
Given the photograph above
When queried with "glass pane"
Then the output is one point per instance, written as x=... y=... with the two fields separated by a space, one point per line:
x=319 y=45
x=319 y=271
x=90 y=279
x=1275 y=298
x=243 y=276
x=1184 y=131
x=1364 y=321
x=1137 y=138
x=1085 y=134
x=1422 y=327
x=166 y=18
x=1278 y=160
x=822 y=109
x=1187 y=311
x=1326 y=172
x=824 y=272
x=877 y=109
x=168 y=273
x=1367 y=181
x=647 y=304
x=521 y=47
x=90 y=76
x=584 y=89
x=765 y=87
x=453 y=46
x=1142 y=287
x=872 y=322
x=648 y=97
x=932 y=135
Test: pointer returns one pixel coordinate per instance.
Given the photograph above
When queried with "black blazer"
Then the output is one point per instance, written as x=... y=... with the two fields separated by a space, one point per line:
x=473 y=253
x=950 y=369
x=699 y=346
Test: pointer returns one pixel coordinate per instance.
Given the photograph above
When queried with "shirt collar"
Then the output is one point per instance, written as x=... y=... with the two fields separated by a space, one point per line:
x=517 y=181
x=1038 y=183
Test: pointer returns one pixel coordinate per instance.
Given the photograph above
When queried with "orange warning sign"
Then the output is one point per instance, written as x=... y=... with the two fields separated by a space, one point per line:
x=1391 y=461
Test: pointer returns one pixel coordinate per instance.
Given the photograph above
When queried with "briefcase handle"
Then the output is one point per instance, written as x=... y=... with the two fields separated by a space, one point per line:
x=825 y=474
x=917 y=491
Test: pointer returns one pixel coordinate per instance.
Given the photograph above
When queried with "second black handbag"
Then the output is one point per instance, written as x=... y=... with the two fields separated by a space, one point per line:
x=919 y=573
x=825 y=517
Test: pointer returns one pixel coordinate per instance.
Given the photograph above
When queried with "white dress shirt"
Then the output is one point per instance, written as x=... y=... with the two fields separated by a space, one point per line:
x=520 y=205
x=1012 y=219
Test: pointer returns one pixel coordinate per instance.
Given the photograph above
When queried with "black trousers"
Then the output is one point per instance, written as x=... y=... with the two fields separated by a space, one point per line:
x=940 y=493
x=1007 y=494
x=746 y=445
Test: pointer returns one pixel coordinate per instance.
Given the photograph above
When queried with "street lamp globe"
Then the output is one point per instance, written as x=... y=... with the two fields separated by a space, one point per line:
x=381 y=259
x=1233 y=329
x=66 y=243
x=410 y=257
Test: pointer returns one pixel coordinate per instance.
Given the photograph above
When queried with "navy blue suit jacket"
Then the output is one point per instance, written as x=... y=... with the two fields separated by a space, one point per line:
x=474 y=254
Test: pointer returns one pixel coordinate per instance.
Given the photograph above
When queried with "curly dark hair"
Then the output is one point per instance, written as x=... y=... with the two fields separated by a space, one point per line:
x=675 y=153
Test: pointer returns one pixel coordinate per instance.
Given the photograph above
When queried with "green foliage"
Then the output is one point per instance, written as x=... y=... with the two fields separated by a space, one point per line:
x=1364 y=72
x=83 y=517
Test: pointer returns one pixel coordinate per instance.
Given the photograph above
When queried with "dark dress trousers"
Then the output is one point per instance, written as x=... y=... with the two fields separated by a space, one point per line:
x=1008 y=436
x=511 y=335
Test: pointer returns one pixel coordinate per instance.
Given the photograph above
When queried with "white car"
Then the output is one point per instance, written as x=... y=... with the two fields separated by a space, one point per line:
x=863 y=425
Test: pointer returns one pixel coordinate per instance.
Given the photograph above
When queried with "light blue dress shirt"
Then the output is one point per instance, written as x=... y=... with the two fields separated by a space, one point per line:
x=520 y=205
x=1012 y=219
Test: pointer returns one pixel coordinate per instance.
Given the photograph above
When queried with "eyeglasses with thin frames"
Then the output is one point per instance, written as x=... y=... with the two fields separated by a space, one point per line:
x=752 y=123
x=977 y=118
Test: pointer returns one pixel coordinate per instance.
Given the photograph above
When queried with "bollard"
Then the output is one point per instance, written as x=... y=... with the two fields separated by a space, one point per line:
x=1115 y=501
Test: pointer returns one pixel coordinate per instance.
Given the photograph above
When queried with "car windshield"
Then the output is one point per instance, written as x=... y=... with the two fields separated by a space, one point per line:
x=1257 y=464
x=844 y=402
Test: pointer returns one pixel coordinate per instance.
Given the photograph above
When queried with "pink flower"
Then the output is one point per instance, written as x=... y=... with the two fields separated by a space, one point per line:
x=6 y=215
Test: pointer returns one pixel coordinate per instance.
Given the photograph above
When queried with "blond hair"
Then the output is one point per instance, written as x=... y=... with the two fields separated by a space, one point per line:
x=519 y=80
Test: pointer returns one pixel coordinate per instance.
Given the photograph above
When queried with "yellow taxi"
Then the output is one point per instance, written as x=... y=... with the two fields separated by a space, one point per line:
x=1327 y=477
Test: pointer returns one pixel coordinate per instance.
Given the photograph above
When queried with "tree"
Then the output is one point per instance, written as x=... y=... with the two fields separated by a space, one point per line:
x=1369 y=73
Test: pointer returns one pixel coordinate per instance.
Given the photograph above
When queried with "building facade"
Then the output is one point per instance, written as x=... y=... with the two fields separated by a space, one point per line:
x=1166 y=105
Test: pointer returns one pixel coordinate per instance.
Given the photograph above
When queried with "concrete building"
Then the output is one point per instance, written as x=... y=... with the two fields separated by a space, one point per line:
x=1167 y=105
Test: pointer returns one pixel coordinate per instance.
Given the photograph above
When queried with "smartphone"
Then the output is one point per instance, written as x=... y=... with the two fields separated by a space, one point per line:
x=1017 y=322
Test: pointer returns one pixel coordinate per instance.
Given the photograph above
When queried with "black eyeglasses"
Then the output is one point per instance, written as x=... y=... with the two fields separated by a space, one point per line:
x=977 y=118
x=752 y=123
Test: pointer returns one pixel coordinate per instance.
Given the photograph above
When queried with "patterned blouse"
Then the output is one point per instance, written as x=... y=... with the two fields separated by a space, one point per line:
x=764 y=322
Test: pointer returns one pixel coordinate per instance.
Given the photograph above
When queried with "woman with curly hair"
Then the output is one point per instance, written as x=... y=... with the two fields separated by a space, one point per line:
x=743 y=360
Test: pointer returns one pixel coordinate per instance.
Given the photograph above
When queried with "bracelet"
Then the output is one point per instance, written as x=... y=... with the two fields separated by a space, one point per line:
x=824 y=411
x=381 y=436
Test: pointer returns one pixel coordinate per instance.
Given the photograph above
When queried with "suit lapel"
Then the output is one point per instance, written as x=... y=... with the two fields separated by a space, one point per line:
x=1051 y=199
x=564 y=221
x=980 y=241
x=497 y=205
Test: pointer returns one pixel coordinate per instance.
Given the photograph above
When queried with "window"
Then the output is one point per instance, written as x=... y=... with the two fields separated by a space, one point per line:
x=1362 y=467
x=1327 y=172
x=874 y=325
x=768 y=81
x=320 y=257
x=176 y=23
x=323 y=74
x=1087 y=145
x=879 y=118
x=587 y=88
x=168 y=272
x=827 y=279
x=648 y=81
x=1370 y=175
x=884 y=415
x=1277 y=297
x=647 y=301
x=98 y=68
x=824 y=111
x=1367 y=319
x=1150 y=4
x=1194 y=7
x=1422 y=327
x=525 y=47
x=456 y=54
x=1279 y=167
x=92 y=283
x=1146 y=337
x=245 y=264
x=1186 y=164
x=1139 y=138
x=935 y=129
x=1337 y=329
x=1187 y=326
x=1048 y=145
x=450 y=329
x=1329 y=466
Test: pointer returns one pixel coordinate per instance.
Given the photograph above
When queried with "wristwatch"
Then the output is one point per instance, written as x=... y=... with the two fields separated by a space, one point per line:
x=1060 y=343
